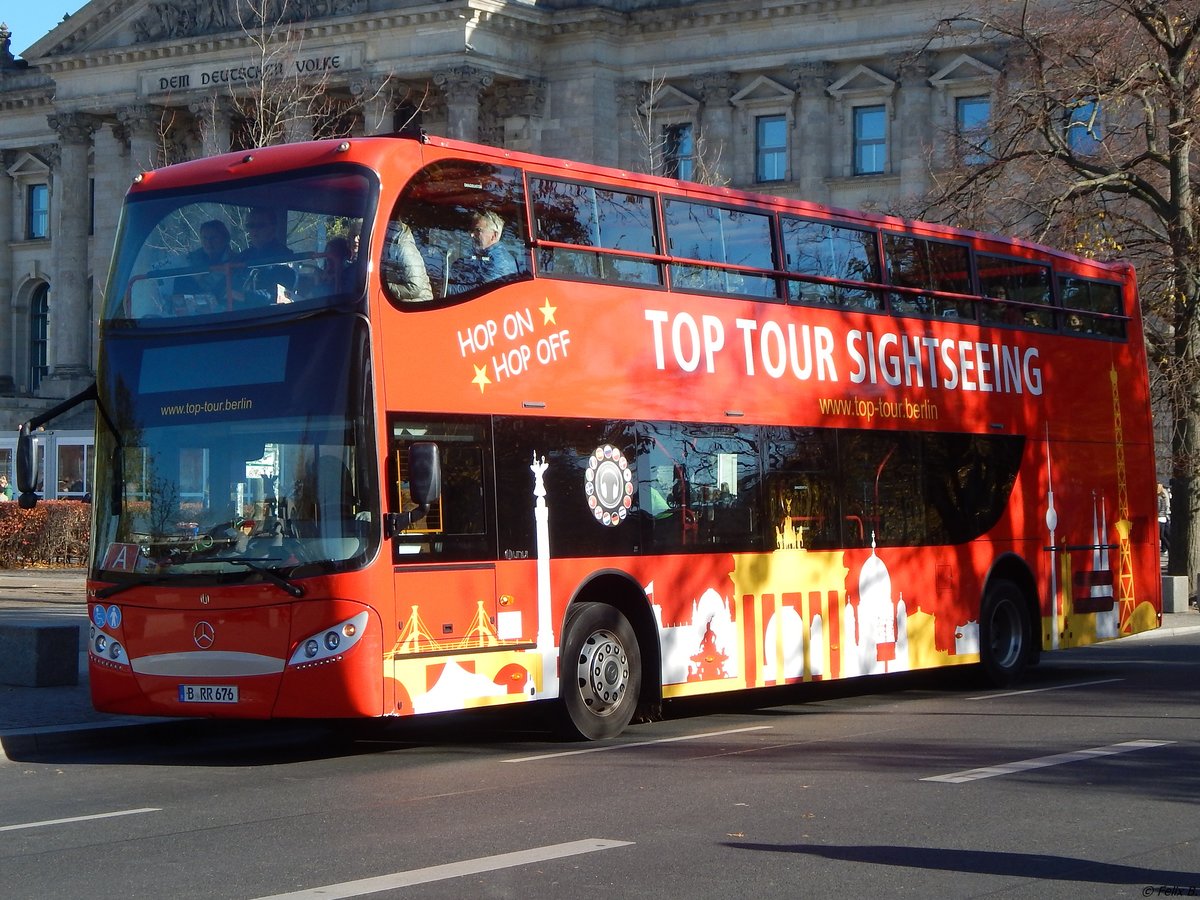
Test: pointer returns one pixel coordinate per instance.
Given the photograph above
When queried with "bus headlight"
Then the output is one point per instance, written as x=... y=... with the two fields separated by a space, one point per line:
x=331 y=642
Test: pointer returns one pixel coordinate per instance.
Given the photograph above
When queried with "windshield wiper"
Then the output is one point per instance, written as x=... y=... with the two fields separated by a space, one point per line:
x=272 y=575
x=114 y=589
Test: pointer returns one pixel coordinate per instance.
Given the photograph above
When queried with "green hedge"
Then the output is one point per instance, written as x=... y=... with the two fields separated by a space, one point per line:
x=53 y=533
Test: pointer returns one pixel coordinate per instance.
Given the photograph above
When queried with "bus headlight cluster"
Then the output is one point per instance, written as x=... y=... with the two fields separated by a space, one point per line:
x=105 y=647
x=330 y=642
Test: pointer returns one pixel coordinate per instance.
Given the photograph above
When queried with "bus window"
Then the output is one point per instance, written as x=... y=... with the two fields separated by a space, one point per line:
x=802 y=490
x=467 y=222
x=914 y=262
x=880 y=505
x=1081 y=298
x=587 y=216
x=456 y=525
x=830 y=251
x=588 y=481
x=720 y=236
x=699 y=487
x=1016 y=292
x=262 y=245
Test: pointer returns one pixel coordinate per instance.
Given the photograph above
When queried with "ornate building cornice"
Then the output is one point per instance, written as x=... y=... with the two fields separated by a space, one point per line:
x=197 y=18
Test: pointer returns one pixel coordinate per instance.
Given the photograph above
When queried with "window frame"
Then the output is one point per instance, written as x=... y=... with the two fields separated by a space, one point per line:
x=770 y=157
x=37 y=215
x=878 y=146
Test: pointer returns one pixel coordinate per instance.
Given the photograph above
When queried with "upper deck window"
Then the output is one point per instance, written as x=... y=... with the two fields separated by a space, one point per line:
x=914 y=262
x=256 y=245
x=587 y=216
x=458 y=228
x=1016 y=292
x=1091 y=307
x=831 y=251
x=724 y=237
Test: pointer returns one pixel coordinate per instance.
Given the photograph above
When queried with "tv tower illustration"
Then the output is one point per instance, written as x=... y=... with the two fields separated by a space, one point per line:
x=1125 y=593
x=1052 y=524
x=546 y=648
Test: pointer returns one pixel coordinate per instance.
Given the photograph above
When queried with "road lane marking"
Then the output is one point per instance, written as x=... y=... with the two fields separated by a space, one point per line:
x=605 y=749
x=1042 y=762
x=1053 y=687
x=450 y=870
x=107 y=815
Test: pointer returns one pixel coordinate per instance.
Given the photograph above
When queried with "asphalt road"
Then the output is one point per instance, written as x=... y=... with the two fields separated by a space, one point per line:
x=1082 y=783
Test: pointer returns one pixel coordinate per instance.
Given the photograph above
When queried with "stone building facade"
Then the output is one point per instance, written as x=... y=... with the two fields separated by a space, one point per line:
x=843 y=102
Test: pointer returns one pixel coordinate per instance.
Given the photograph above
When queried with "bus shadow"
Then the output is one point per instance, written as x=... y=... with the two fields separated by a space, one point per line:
x=1043 y=867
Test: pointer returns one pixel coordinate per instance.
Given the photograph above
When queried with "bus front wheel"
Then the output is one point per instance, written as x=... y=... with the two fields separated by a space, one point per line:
x=601 y=672
x=1005 y=634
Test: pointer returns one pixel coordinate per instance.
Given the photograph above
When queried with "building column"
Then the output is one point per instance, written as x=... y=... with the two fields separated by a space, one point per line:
x=517 y=115
x=715 y=141
x=212 y=115
x=462 y=86
x=914 y=117
x=631 y=148
x=812 y=150
x=374 y=95
x=70 y=313
x=143 y=125
x=7 y=159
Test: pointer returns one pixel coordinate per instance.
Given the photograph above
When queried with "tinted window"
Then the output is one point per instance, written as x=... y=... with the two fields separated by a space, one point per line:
x=587 y=216
x=465 y=222
x=830 y=251
x=1017 y=292
x=914 y=262
x=719 y=236
x=1083 y=299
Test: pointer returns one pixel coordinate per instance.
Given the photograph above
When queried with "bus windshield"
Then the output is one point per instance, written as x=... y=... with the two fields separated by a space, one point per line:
x=234 y=455
x=276 y=244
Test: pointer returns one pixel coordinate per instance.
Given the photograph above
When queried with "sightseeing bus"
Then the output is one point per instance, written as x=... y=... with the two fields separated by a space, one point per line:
x=396 y=425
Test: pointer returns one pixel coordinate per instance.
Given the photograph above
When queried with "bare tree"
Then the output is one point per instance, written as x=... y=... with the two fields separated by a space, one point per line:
x=1090 y=146
x=660 y=148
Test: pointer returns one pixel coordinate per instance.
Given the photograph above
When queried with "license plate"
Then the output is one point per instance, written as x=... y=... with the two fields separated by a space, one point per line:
x=208 y=693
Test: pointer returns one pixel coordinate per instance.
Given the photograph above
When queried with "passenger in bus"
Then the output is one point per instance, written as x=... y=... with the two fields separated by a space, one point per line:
x=264 y=285
x=403 y=267
x=209 y=283
x=490 y=261
x=338 y=272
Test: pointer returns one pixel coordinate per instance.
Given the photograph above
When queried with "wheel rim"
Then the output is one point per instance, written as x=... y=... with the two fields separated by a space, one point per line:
x=1005 y=634
x=603 y=672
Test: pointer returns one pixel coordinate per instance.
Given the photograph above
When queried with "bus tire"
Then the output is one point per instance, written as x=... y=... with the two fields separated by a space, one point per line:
x=601 y=672
x=1005 y=633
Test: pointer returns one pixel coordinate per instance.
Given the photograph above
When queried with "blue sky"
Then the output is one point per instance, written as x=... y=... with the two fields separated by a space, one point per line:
x=29 y=20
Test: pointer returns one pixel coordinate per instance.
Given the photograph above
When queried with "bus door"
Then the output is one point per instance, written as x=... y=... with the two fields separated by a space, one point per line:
x=444 y=579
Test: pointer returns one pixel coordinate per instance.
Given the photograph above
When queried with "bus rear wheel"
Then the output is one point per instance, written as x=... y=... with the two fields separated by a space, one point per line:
x=601 y=672
x=1005 y=633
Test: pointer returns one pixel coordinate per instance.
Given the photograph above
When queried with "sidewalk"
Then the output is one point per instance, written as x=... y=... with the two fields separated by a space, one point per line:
x=32 y=719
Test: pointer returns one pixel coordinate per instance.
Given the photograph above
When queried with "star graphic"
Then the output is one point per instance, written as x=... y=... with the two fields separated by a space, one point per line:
x=548 y=312
x=481 y=378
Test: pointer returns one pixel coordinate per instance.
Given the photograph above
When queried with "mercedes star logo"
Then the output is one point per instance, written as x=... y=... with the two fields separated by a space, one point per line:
x=204 y=635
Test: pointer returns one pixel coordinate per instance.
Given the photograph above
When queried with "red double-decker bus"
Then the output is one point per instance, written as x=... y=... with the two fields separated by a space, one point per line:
x=397 y=425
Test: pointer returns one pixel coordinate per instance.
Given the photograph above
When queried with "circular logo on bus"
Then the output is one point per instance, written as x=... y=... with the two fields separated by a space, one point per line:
x=608 y=485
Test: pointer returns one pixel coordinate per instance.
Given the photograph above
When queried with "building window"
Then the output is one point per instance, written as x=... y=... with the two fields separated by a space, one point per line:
x=39 y=329
x=870 y=140
x=971 y=115
x=679 y=151
x=770 y=148
x=37 y=218
x=1085 y=128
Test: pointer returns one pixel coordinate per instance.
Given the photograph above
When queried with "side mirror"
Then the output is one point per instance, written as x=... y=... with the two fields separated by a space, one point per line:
x=424 y=485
